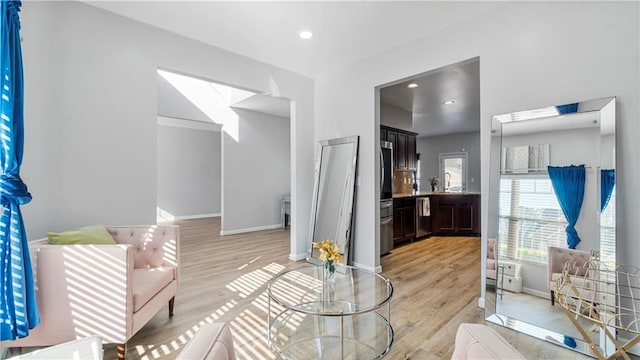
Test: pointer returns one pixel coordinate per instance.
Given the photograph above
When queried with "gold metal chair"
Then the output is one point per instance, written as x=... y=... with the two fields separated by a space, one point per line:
x=610 y=299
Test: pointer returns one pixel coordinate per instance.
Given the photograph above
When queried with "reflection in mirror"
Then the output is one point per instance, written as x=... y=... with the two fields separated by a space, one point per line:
x=333 y=196
x=540 y=161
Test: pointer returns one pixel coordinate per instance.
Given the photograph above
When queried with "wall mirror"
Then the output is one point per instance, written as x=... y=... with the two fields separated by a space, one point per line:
x=334 y=196
x=525 y=217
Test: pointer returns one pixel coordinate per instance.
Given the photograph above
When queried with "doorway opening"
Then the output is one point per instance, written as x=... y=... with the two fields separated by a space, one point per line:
x=246 y=136
x=434 y=118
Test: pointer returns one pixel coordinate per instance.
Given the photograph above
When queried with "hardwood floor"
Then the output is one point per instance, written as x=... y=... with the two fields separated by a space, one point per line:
x=436 y=283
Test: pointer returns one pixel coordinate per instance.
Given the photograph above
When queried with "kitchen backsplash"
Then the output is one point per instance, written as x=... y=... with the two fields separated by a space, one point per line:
x=402 y=181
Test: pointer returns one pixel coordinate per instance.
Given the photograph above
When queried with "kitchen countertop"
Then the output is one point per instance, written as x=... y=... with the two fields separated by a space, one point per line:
x=429 y=193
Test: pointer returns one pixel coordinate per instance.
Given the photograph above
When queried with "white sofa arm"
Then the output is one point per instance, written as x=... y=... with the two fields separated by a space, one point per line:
x=81 y=291
x=477 y=341
x=212 y=342
x=89 y=348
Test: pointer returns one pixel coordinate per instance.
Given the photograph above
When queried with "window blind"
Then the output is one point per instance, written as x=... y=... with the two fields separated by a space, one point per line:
x=530 y=219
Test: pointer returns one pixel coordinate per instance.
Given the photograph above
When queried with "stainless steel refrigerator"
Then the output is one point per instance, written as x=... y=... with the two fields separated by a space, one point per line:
x=386 y=197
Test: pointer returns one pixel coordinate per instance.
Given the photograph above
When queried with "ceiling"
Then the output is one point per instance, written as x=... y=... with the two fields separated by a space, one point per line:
x=430 y=116
x=181 y=96
x=265 y=104
x=345 y=32
x=552 y=123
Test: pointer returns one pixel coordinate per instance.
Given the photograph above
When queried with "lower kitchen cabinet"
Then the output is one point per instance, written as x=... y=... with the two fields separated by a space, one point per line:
x=423 y=217
x=455 y=214
x=404 y=219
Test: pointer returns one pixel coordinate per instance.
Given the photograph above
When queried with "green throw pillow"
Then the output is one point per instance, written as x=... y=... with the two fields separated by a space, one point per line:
x=92 y=234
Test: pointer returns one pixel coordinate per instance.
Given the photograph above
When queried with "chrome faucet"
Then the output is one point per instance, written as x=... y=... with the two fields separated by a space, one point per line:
x=447 y=181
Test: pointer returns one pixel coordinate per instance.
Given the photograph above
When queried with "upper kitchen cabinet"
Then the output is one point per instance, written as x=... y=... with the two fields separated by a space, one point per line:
x=404 y=147
x=411 y=152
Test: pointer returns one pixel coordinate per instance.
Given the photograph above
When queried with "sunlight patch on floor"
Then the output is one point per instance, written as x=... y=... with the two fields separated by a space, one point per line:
x=249 y=328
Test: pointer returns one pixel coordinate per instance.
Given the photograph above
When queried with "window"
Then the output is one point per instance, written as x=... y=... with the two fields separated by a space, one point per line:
x=453 y=171
x=531 y=219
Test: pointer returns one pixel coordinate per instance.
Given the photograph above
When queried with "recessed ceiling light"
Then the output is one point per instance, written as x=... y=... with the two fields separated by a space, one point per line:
x=305 y=34
x=448 y=102
x=412 y=85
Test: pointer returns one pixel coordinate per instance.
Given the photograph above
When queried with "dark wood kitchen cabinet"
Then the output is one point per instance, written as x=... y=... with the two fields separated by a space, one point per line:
x=404 y=219
x=402 y=152
x=411 y=152
x=404 y=147
x=456 y=214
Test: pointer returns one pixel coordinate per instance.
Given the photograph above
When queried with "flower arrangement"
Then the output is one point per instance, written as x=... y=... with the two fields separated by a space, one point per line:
x=434 y=183
x=329 y=254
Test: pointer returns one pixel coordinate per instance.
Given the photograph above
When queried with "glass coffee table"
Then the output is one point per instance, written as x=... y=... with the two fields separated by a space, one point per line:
x=346 y=317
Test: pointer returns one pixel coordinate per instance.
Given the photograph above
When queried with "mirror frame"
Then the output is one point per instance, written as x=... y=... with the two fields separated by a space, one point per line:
x=495 y=150
x=347 y=202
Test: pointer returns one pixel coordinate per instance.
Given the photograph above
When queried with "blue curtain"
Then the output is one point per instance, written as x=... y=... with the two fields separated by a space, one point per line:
x=18 y=309
x=607 y=182
x=568 y=184
x=567 y=108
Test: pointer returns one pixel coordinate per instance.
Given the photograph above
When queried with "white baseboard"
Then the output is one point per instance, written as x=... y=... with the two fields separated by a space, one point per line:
x=298 y=257
x=540 y=294
x=376 y=269
x=481 y=303
x=197 y=216
x=246 y=230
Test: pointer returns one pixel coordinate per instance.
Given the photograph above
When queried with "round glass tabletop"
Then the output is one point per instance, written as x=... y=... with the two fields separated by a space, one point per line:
x=348 y=291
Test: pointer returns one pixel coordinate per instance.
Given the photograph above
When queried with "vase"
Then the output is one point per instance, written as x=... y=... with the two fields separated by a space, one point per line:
x=328 y=284
x=434 y=188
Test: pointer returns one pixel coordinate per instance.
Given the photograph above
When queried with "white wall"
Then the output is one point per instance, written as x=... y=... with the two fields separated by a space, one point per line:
x=255 y=172
x=172 y=103
x=431 y=147
x=395 y=117
x=90 y=115
x=531 y=54
x=189 y=171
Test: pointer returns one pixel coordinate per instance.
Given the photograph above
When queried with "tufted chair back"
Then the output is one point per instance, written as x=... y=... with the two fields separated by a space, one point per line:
x=576 y=263
x=153 y=246
x=491 y=248
x=559 y=257
x=491 y=258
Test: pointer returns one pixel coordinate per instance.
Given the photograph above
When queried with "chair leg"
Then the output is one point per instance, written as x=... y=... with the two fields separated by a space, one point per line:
x=122 y=351
x=171 y=302
x=553 y=298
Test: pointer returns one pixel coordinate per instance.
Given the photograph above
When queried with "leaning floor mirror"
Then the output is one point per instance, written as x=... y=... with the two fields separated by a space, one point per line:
x=531 y=214
x=334 y=196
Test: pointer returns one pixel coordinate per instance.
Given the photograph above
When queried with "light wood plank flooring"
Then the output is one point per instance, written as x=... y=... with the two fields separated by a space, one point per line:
x=436 y=282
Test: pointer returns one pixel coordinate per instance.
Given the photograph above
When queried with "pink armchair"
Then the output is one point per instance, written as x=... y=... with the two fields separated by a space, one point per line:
x=558 y=258
x=491 y=259
x=107 y=290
